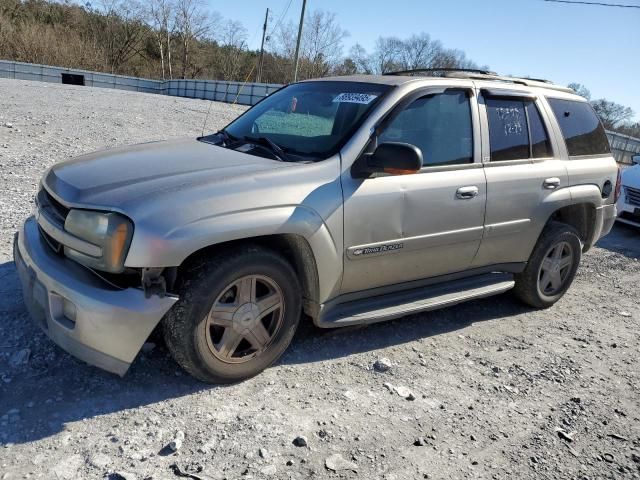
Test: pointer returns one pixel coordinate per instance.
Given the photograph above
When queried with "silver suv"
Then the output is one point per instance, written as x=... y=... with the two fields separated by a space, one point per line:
x=353 y=199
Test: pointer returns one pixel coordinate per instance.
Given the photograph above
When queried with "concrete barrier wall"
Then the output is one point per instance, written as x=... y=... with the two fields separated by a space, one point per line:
x=221 y=91
x=623 y=147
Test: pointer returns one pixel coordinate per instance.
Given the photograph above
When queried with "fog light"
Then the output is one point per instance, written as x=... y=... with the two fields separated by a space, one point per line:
x=69 y=310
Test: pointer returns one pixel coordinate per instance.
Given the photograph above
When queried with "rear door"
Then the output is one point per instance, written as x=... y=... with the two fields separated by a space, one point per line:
x=523 y=169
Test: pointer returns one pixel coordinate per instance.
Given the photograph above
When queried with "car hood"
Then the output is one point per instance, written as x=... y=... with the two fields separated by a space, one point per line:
x=117 y=177
x=631 y=177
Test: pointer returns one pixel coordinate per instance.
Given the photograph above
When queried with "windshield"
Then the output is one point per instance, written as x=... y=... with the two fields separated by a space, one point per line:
x=312 y=119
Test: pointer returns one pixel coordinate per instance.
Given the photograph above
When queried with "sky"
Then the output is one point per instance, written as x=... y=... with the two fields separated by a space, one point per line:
x=593 y=45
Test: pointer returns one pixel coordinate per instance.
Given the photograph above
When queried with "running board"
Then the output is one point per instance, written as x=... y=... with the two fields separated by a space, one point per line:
x=399 y=304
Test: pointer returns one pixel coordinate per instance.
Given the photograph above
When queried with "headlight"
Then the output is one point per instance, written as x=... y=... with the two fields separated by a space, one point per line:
x=110 y=231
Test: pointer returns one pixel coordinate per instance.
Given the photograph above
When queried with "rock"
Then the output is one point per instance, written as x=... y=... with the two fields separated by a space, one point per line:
x=336 y=463
x=564 y=435
x=20 y=357
x=68 y=467
x=263 y=453
x=624 y=313
x=8 y=125
x=148 y=347
x=120 y=475
x=419 y=442
x=404 y=392
x=635 y=457
x=99 y=460
x=300 y=441
x=269 y=470
x=177 y=441
x=382 y=365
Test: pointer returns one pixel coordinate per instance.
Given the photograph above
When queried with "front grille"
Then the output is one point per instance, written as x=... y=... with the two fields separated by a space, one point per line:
x=55 y=213
x=633 y=195
x=55 y=245
x=54 y=210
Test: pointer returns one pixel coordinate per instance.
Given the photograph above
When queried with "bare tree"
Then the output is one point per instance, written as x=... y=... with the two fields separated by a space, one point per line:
x=124 y=31
x=361 y=59
x=192 y=24
x=162 y=16
x=612 y=114
x=233 y=43
x=419 y=51
x=323 y=43
x=580 y=90
x=321 y=46
x=386 y=56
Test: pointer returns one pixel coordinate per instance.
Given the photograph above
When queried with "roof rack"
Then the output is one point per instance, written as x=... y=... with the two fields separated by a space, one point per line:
x=444 y=70
x=476 y=74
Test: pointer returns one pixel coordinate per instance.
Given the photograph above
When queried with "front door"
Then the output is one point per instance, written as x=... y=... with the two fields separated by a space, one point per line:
x=409 y=227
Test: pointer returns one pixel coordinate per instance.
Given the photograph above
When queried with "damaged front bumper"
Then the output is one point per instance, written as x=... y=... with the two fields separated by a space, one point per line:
x=92 y=320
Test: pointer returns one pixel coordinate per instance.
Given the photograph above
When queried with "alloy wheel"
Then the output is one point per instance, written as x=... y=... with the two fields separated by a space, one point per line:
x=245 y=318
x=555 y=268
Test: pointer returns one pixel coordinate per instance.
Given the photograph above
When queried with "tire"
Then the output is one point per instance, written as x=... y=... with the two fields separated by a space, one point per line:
x=218 y=330
x=551 y=267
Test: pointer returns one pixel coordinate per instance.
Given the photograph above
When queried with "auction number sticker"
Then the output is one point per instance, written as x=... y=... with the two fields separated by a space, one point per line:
x=363 y=98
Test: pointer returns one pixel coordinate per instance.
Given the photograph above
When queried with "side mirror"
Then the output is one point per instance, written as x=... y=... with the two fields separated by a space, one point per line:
x=636 y=159
x=394 y=158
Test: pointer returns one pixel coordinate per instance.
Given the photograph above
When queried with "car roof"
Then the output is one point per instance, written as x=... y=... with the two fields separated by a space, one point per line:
x=379 y=79
x=395 y=80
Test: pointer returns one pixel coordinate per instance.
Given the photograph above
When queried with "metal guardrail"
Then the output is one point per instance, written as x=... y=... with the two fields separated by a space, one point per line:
x=623 y=147
x=231 y=92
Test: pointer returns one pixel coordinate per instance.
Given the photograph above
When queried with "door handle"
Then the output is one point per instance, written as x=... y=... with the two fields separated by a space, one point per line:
x=551 y=183
x=466 y=193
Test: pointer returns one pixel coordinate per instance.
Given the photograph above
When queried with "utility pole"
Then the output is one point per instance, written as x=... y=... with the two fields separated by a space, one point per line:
x=295 y=68
x=261 y=61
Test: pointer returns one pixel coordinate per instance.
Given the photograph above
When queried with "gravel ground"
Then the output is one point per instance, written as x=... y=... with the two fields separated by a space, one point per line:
x=497 y=390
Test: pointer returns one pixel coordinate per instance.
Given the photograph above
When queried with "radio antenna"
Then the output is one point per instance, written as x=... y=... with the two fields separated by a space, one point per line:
x=204 y=125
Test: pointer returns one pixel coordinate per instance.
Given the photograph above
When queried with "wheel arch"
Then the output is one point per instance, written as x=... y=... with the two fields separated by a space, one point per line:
x=581 y=212
x=293 y=247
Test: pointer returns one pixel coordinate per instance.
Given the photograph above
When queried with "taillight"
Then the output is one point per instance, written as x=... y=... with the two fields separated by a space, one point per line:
x=616 y=195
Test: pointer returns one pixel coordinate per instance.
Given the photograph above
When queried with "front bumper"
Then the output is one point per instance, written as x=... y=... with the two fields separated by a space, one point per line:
x=627 y=213
x=95 y=322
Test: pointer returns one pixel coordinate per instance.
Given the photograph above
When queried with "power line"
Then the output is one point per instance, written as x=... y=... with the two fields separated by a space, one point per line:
x=599 y=4
x=282 y=15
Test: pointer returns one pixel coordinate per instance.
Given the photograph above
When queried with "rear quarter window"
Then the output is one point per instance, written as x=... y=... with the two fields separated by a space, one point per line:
x=581 y=128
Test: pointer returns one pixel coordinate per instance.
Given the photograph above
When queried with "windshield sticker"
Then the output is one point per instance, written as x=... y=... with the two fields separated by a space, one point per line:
x=363 y=98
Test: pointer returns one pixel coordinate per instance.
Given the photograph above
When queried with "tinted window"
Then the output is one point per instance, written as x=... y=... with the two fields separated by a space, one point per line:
x=581 y=128
x=439 y=125
x=508 y=131
x=516 y=130
x=540 y=144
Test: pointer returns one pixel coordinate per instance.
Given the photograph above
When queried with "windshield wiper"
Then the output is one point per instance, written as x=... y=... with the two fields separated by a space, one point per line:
x=226 y=136
x=273 y=146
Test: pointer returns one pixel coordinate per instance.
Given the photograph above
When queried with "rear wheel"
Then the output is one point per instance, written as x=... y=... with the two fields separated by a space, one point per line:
x=236 y=315
x=551 y=267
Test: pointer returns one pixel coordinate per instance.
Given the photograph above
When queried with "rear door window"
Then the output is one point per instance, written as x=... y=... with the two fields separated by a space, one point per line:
x=516 y=130
x=581 y=128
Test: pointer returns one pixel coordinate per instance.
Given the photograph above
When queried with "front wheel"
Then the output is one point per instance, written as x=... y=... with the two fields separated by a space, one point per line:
x=236 y=315
x=551 y=267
